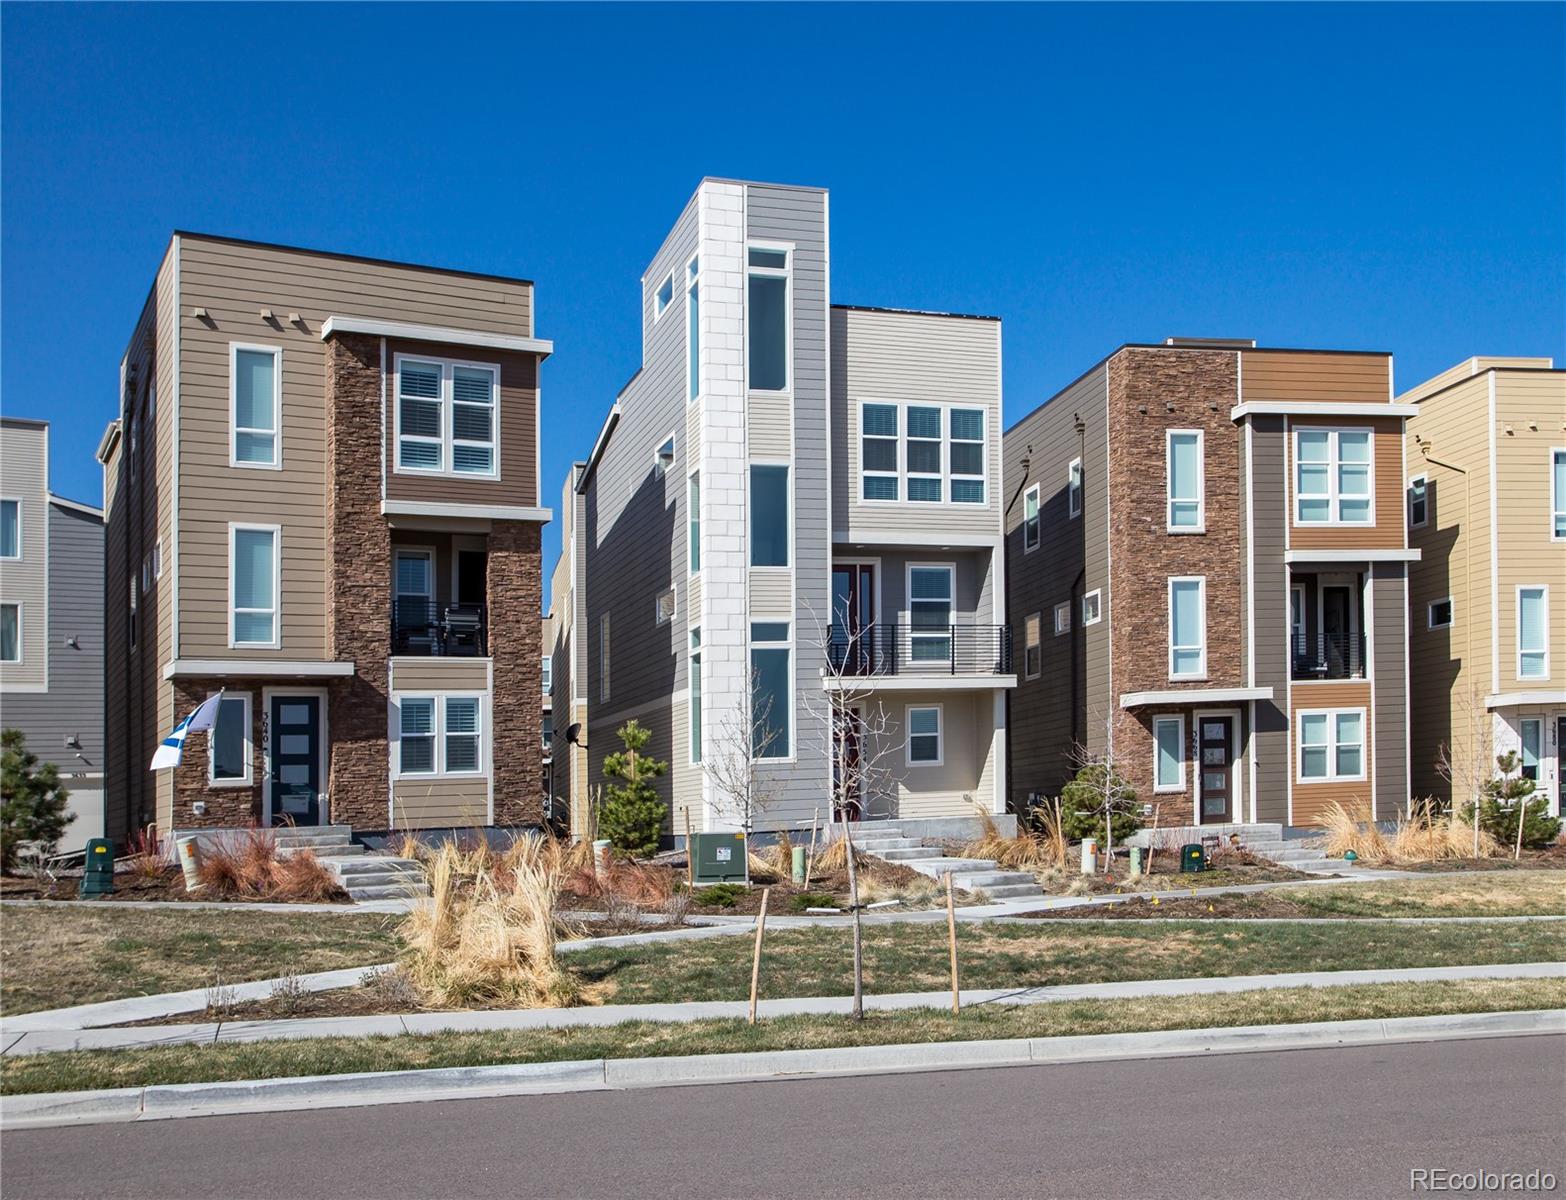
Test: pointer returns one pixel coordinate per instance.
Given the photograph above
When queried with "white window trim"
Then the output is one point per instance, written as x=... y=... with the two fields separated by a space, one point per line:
x=1557 y=499
x=157 y=559
x=940 y=735
x=1074 y=488
x=788 y=513
x=546 y=669
x=793 y=662
x=439 y=732
x=693 y=556
x=21 y=633
x=448 y=418
x=1096 y=595
x=1201 y=481
x=603 y=658
x=1424 y=480
x=660 y=305
x=786 y=273
x=693 y=686
x=1038 y=520
x=21 y=545
x=1201 y=604
x=276 y=531
x=902 y=474
x=1038 y=618
x=1334 y=462
x=692 y=285
x=277 y=407
x=1179 y=785
x=896 y=474
x=1544 y=600
x=660 y=468
x=1063 y=607
x=908 y=599
x=248 y=779
x=1332 y=745
x=1541 y=762
x=1431 y=622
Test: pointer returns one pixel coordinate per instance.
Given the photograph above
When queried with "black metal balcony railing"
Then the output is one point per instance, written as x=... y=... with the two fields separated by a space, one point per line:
x=1329 y=656
x=921 y=650
x=421 y=626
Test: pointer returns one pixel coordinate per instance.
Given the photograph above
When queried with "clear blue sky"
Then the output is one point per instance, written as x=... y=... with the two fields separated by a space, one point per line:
x=1386 y=178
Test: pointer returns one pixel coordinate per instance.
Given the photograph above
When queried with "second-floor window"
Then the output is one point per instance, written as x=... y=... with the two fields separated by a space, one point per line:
x=1033 y=654
x=693 y=329
x=767 y=318
x=1533 y=632
x=1074 y=488
x=547 y=673
x=768 y=515
x=1188 y=627
x=255 y=400
x=1418 y=502
x=10 y=633
x=1030 y=519
x=930 y=604
x=1558 y=495
x=447 y=415
x=925 y=453
x=879 y=427
x=253 y=585
x=1187 y=510
x=1332 y=477
x=10 y=529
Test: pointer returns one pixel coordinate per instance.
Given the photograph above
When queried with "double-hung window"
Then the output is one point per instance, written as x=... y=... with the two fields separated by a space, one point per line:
x=1558 y=495
x=1188 y=627
x=1033 y=653
x=767 y=318
x=1187 y=510
x=769 y=515
x=416 y=736
x=924 y=735
x=878 y=427
x=772 y=689
x=447 y=417
x=693 y=329
x=462 y=735
x=1074 y=488
x=1030 y=519
x=1169 y=754
x=1533 y=632
x=965 y=455
x=923 y=451
x=1418 y=501
x=440 y=735
x=230 y=757
x=930 y=603
x=255 y=400
x=1331 y=745
x=693 y=523
x=694 y=720
x=10 y=529
x=1332 y=477
x=253 y=585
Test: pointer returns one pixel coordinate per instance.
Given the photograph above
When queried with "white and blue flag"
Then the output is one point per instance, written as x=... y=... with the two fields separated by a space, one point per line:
x=173 y=747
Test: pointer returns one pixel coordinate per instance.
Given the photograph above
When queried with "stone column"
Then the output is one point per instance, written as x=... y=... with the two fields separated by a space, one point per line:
x=514 y=586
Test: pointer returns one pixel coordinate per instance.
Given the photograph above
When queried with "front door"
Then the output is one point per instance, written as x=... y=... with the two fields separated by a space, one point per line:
x=1338 y=648
x=296 y=760
x=853 y=617
x=472 y=568
x=1215 y=752
x=1560 y=765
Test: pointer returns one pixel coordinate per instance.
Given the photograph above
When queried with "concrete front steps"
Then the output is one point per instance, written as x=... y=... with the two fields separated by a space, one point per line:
x=970 y=874
x=1267 y=839
x=363 y=876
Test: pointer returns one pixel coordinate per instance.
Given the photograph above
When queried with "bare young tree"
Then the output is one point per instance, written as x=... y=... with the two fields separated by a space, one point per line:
x=1468 y=761
x=1101 y=786
x=863 y=743
x=736 y=760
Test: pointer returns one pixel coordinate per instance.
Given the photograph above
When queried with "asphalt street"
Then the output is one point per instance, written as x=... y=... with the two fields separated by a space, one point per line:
x=1309 y=1123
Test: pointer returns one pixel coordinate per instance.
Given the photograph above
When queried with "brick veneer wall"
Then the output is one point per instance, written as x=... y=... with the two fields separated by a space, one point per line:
x=226 y=807
x=515 y=586
x=1201 y=386
x=358 y=608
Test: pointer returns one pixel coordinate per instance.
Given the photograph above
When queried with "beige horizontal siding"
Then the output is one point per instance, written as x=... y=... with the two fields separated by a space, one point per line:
x=440 y=674
x=769 y=427
x=440 y=803
x=771 y=595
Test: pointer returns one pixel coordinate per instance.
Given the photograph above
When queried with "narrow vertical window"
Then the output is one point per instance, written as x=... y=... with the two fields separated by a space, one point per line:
x=10 y=633
x=769 y=516
x=1533 y=638
x=255 y=400
x=229 y=763
x=1033 y=655
x=416 y=735
x=1169 y=754
x=693 y=521
x=546 y=672
x=253 y=585
x=878 y=427
x=772 y=689
x=1185 y=469
x=767 y=318
x=923 y=453
x=1187 y=628
x=1074 y=488
x=1030 y=519
x=694 y=720
x=924 y=735
x=1092 y=607
x=1062 y=618
x=603 y=657
x=10 y=529
x=1532 y=731
x=930 y=603
x=473 y=420
x=965 y=456
x=693 y=329
x=1418 y=502
x=663 y=458
x=1558 y=495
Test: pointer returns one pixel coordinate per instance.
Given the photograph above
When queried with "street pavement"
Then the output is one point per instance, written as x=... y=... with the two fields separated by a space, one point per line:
x=1313 y=1123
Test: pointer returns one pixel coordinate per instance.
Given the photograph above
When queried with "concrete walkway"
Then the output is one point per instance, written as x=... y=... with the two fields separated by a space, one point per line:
x=215 y=1032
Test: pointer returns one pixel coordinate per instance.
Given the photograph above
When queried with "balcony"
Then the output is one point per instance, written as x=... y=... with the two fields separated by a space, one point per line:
x=421 y=627
x=921 y=650
x=1327 y=656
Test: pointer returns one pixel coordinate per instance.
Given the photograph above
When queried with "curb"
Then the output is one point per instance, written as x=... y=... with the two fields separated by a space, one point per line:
x=175 y=1101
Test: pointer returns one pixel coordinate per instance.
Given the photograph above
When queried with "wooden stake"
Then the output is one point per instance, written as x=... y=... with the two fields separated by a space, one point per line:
x=810 y=862
x=755 y=961
x=951 y=941
x=1152 y=841
x=690 y=851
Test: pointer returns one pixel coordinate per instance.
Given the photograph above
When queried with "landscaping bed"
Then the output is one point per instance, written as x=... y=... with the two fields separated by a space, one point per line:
x=167 y=885
x=1229 y=868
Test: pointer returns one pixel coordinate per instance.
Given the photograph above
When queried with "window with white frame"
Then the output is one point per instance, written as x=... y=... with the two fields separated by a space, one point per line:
x=440 y=735
x=1074 y=488
x=1033 y=649
x=694 y=718
x=924 y=735
x=772 y=689
x=230 y=745
x=1418 y=502
x=1188 y=627
x=10 y=633
x=769 y=515
x=965 y=454
x=1030 y=519
x=1438 y=614
x=157 y=559
x=1533 y=632
x=255 y=401
x=693 y=329
x=10 y=529
x=1531 y=737
x=1091 y=604
x=546 y=672
x=664 y=296
x=663 y=607
x=416 y=736
x=414 y=580
x=603 y=657
x=462 y=734
x=693 y=522
x=663 y=458
x=1331 y=745
x=1169 y=754
x=766 y=318
x=1062 y=618
x=1558 y=495
x=931 y=599
x=253 y=585
x=922 y=453
x=1333 y=477
x=447 y=417
x=1184 y=470
x=879 y=426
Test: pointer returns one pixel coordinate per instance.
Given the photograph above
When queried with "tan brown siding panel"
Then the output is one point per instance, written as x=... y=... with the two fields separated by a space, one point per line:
x=1292 y=376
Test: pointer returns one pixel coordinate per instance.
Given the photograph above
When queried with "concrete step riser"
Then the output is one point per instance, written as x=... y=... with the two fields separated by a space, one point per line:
x=881 y=845
x=1014 y=892
x=388 y=892
x=909 y=853
x=372 y=862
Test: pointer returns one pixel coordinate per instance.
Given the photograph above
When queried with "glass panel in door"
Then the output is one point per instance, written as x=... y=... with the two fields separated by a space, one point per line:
x=296 y=760
x=1216 y=767
x=853 y=618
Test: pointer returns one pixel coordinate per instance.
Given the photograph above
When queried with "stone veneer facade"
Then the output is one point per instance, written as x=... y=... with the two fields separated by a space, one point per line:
x=515 y=597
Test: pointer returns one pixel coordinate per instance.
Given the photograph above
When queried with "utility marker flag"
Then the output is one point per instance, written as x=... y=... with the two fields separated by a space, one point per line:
x=173 y=747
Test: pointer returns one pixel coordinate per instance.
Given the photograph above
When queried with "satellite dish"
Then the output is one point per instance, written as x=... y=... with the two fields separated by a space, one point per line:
x=574 y=732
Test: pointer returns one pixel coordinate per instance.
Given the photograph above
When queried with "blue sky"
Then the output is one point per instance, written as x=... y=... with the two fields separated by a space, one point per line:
x=1388 y=178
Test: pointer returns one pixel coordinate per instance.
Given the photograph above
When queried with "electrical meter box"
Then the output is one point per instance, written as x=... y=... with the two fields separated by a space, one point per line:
x=1192 y=858
x=98 y=877
x=720 y=858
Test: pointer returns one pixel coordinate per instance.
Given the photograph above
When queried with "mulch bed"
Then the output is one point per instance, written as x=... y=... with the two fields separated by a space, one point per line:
x=1552 y=859
x=1263 y=904
x=167 y=885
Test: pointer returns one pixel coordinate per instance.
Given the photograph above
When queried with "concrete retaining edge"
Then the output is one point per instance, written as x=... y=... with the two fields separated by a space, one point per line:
x=175 y=1101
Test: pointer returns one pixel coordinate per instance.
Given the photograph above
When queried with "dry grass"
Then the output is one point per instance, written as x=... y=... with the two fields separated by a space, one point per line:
x=487 y=935
x=251 y=869
x=1026 y=851
x=918 y=892
x=833 y=857
x=1426 y=836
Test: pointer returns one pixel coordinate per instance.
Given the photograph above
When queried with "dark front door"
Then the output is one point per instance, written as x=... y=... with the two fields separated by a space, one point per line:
x=853 y=617
x=472 y=566
x=846 y=780
x=1338 y=649
x=296 y=760
x=1215 y=739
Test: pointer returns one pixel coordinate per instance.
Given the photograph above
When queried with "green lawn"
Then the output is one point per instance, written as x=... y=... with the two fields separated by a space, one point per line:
x=52 y=957
x=913 y=958
x=1476 y=894
x=76 y=1070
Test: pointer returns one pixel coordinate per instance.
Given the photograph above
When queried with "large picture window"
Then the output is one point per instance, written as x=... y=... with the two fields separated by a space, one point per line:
x=1188 y=628
x=767 y=319
x=769 y=515
x=253 y=585
x=1333 y=476
x=1331 y=745
x=255 y=400
x=447 y=417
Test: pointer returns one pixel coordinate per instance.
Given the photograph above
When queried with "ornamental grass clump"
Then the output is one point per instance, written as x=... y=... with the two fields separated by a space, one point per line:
x=250 y=868
x=1025 y=851
x=486 y=937
x=1425 y=835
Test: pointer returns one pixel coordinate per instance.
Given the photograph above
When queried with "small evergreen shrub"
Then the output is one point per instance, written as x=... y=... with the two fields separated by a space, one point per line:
x=632 y=813
x=32 y=799
x=719 y=895
x=805 y=900
x=1082 y=806
x=1507 y=799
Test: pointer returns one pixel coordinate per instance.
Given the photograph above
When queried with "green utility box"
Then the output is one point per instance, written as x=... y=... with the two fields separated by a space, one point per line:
x=98 y=878
x=719 y=858
x=1192 y=858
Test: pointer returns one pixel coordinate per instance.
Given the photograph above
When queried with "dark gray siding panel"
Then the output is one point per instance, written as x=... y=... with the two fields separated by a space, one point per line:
x=1389 y=659
x=1270 y=575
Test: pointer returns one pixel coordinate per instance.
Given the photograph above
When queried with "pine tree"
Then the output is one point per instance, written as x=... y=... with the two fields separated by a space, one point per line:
x=1508 y=799
x=32 y=799
x=632 y=813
